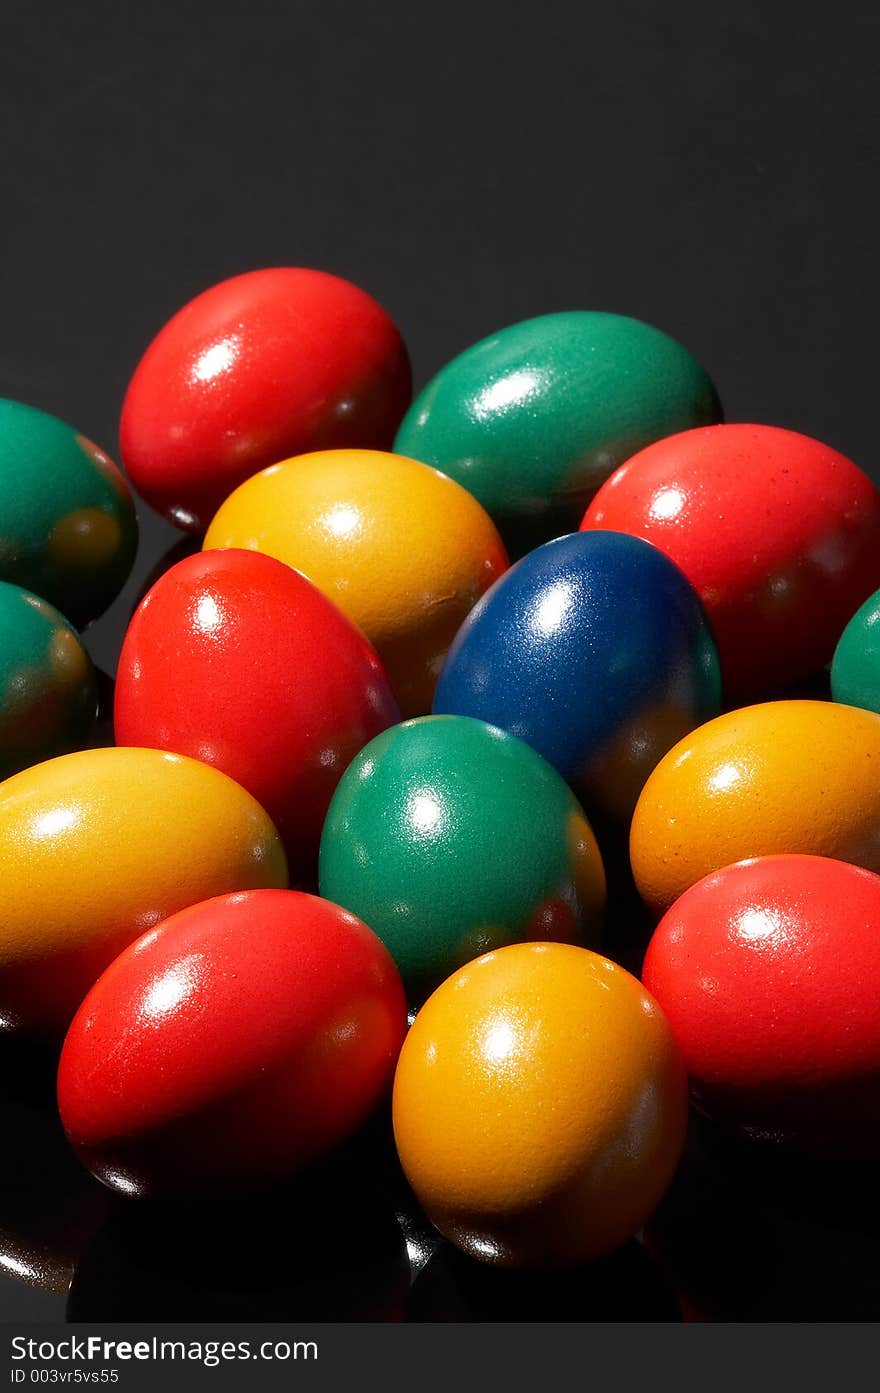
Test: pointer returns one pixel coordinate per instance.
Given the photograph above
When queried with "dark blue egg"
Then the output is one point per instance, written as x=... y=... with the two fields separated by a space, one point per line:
x=596 y=651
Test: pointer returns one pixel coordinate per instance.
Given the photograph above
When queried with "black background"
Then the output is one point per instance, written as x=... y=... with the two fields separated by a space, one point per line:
x=470 y=165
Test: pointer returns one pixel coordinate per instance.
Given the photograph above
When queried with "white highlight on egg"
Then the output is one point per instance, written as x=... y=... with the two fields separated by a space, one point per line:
x=214 y=360
x=667 y=504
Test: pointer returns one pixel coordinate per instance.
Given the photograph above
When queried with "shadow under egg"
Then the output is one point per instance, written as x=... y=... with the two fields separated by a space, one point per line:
x=628 y=1285
x=748 y=1232
x=50 y=1207
x=326 y=1247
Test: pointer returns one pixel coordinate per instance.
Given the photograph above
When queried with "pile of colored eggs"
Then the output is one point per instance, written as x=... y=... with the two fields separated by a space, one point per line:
x=361 y=829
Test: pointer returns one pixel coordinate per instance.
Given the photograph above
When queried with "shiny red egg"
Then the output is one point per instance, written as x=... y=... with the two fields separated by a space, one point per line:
x=778 y=534
x=767 y=972
x=263 y=366
x=235 y=1043
x=235 y=659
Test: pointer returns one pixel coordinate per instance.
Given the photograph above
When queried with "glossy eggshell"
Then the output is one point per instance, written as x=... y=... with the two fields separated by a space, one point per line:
x=402 y=550
x=235 y=659
x=595 y=651
x=68 y=530
x=767 y=972
x=100 y=845
x=778 y=533
x=534 y=418
x=48 y=692
x=855 y=668
x=236 y=1042
x=264 y=365
x=539 y=1106
x=449 y=837
x=782 y=777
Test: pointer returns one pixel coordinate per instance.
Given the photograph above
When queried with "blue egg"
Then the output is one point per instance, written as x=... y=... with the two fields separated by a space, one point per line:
x=595 y=650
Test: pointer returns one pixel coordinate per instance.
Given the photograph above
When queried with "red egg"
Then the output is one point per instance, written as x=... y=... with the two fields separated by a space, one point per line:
x=767 y=972
x=235 y=1043
x=778 y=534
x=237 y=660
x=266 y=365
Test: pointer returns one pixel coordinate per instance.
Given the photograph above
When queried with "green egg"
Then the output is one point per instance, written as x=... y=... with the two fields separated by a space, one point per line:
x=68 y=529
x=855 y=669
x=449 y=838
x=48 y=698
x=533 y=419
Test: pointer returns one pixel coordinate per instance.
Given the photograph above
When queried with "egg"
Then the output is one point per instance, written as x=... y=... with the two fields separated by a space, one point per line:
x=98 y=846
x=402 y=550
x=778 y=533
x=281 y=690
x=855 y=668
x=781 y=777
x=449 y=837
x=48 y=693
x=68 y=530
x=594 y=650
x=534 y=418
x=539 y=1106
x=767 y=973
x=264 y=365
x=236 y=1042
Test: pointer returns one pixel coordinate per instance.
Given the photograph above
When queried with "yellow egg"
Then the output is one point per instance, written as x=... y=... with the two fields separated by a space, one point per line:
x=782 y=777
x=539 y=1106
x=97 y=847
x=402 y=550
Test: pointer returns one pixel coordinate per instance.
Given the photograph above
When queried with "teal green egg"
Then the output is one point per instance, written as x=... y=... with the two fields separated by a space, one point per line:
x=68 y=529
x=48 y=696
x=533 y=419
x=450 y=838
x=855 y=668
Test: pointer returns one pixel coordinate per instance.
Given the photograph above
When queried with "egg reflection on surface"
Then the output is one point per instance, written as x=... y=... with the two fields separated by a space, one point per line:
x=811 y=1220
x=49 y=1206
x=626 y=1286
x=326 y=1248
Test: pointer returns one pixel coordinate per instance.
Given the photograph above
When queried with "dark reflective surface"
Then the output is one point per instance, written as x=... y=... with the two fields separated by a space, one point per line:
x=627 y=1285
x=326 y=1247
x=749 y=1232
x=50 y=1207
